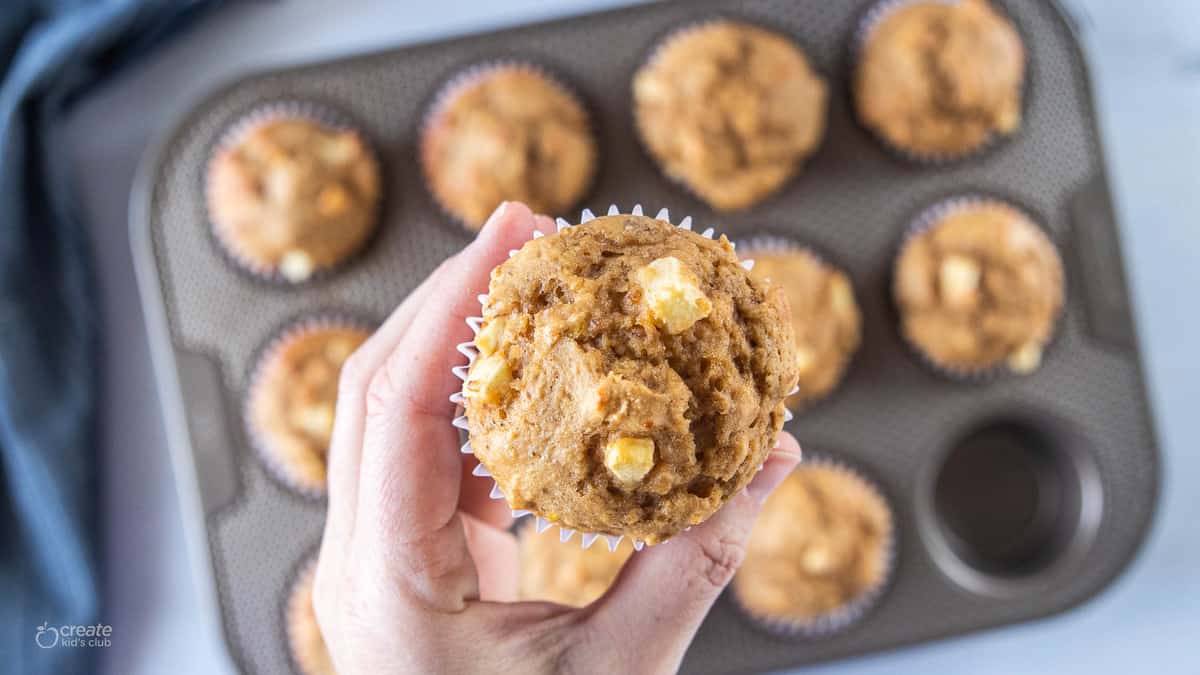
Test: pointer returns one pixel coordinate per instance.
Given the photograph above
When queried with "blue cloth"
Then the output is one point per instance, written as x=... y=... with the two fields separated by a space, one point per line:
x=51 y=53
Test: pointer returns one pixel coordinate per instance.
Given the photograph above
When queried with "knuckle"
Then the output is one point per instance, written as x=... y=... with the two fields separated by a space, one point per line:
x=355 y=374
x=719 y=559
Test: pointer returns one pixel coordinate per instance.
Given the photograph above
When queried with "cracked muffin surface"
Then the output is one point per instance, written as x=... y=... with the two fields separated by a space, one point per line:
x=979 y=288
x=507 y=133
x=291 y=196
x=821 y=541
x=940 y=79
x=729 y=109
x=825 y=316
x=565 y=572
x=630 y=378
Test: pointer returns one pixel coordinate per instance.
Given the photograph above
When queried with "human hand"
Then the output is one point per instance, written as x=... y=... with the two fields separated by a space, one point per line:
x=417 y=572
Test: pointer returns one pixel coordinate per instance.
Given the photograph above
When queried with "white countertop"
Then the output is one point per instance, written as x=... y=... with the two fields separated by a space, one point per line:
x=1146 y=65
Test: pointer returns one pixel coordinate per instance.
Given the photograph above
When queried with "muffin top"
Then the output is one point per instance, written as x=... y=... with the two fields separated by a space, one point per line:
x=307 y=647
x=825 y=317
x=980 y=287
x=940 y=78
x=631 y=377
x=730 y=110
x=293 y=395
x=821 y=541
x=565 y=572
x=507 y=133
x=291 y=195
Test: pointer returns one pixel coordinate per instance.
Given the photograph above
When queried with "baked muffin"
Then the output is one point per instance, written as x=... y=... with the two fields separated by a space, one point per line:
x=506 y=132
x=979 y=286
x=292 y=396
x=730 y=110
x=565 y=572
x=305 y=643
x=939 y=79
x=289 y=195
x=630 y=379
x=819 y=553
x=825 y=316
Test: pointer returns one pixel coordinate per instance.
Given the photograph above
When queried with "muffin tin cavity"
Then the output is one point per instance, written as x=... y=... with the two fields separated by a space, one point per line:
x=1012 y=500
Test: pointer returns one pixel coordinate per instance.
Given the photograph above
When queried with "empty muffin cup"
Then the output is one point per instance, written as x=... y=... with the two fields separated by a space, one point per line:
x=1013 y=499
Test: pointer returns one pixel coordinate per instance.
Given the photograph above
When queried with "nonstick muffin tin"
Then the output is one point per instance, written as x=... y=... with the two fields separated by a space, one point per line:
x=1014 y=498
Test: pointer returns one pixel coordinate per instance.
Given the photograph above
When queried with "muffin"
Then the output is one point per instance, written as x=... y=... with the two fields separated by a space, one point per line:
x=819 y=554
x=730 y=110
x=506 y=132
x=979 y=286
x=563 y=572
x=289 y=195
x=825 y=316
x=631 y=377
x=939 y=79
x=305 y=643
x=292 y=395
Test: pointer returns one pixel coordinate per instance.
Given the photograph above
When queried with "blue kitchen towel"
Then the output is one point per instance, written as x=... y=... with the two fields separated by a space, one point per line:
x=51 y=53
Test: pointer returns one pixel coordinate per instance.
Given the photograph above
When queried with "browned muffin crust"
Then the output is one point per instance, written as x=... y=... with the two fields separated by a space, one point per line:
x=821 y=541
x=825 y=316
x=980 y=288
x=292 y=196
x=304 y=635
x=941 y=79
x=507 y=134
x=631 y=378
x=292 y=399
x=729 y=109
x=565 y=572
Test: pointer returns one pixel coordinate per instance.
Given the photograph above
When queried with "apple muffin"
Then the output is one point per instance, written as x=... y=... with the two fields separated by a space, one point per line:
x=631 y=377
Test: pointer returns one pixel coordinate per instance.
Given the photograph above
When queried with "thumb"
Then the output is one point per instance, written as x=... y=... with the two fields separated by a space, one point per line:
x=665 y=592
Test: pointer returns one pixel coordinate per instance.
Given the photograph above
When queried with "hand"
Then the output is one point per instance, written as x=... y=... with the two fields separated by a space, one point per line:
x=417 y=572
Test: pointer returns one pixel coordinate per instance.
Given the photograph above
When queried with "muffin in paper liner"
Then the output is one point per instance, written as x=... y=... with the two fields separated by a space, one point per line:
x=570 y=141
x=1021 y=361
x=289 y=405
x=816 y=381
x=306 y=646
x=873 y=18
x=227 y=189
x=561 y=572
x=471 y=352
x=873 y=510
x=780 y=159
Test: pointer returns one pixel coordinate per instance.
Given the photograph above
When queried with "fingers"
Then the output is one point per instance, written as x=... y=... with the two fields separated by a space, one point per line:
x=409 y=478
x=665 y=592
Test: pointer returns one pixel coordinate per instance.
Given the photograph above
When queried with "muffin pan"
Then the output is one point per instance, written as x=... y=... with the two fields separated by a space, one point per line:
x=1014 y=498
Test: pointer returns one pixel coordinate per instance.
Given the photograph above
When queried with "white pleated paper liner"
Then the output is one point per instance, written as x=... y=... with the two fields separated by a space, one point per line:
x=930 y=218
x=768 y=244
x=291 y=477
x=684 y=30
x=469 y=350
x=862 y=34
x=463 y=81
x=854 y=609
x=266 y=113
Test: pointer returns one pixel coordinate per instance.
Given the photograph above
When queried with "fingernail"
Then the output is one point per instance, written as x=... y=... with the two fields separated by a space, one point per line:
x=781 y=464
x=497 y=214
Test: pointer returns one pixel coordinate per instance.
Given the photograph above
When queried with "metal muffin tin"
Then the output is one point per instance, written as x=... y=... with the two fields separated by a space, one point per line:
x=1079 y=429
